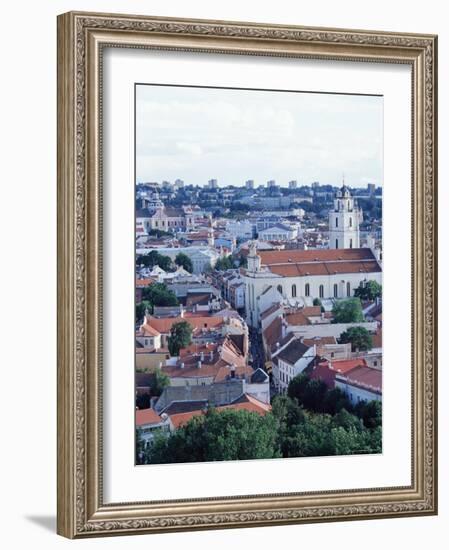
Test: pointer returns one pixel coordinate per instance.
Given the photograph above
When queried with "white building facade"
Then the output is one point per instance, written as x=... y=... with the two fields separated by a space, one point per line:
x=299 y=275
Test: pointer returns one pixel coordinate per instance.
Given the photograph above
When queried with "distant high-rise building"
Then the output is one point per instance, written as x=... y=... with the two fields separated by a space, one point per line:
x=249 y=184
x=271 y=183
x=315 y=184
x=292 y=184
x=371 y=188
x=213 y=184
x=179 y=184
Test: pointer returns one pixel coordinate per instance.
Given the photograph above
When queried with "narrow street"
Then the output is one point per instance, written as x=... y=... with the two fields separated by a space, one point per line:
x=256 y=349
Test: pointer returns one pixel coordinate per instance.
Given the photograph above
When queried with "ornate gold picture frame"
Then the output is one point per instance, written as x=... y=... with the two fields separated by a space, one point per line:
x=82 y=38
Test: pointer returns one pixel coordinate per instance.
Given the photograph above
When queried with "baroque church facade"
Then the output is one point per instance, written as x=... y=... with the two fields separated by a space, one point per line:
x=302 y=275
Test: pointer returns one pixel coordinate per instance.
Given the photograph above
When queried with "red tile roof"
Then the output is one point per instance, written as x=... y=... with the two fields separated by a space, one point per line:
x=272 y=257
x=147 y=416
x=299 y=263
x=344 y=365
x=142 y=283
x=273 y=332
x=180 y=419
x=297 y=319
x=322 y=372
x=163 y=325
x=312 y=311
x=364 y=377
x=248 y=403
x=320 y=341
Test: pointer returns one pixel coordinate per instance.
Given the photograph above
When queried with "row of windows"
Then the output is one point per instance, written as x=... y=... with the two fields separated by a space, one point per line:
x=320 y=290
x=171 y=223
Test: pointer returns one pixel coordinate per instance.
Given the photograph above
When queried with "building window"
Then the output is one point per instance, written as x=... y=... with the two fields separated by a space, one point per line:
x=350 y=222
x=336 y=243
x=321 y=291
x=348 y=288
x=280 y=289
x=294 y=291
x=307 y=291
x=350 y=243
x=336 y=222
x=335 y=291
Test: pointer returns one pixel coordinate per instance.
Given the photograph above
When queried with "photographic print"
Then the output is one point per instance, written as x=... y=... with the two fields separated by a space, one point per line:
x=258 y=263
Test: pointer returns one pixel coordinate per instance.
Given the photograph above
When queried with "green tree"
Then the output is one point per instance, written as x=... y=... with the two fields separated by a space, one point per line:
x=368 y=291
x=184 y=261
x=180 y=337
x=154 y=258
x=219 y=435
x=158 y=294
x=158 y=382
x=359 y=338
x=335 y=400
x=141 y=307
x=222 y=264
x=298 y=387
x=370 y=412
x=159 y=233
x=348 y=311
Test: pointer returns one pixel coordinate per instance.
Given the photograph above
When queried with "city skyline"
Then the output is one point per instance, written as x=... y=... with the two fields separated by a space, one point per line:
x=197 y=134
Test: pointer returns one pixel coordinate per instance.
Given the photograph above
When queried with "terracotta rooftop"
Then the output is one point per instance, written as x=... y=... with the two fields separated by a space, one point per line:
x=163 y=325
x=312 y=311
x=273 y=332
x=245 y=402
x=320 y=341
x=324 y=268
x=273 y=257
x=363 y=377
x=143 y=283
x=344 y=365
x=299 y=263
x=147 y=416
x=298 y=318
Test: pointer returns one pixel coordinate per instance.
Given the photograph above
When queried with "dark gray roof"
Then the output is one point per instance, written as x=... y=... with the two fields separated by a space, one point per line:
x=293 y=351
x=259 y=377
x=177 y=407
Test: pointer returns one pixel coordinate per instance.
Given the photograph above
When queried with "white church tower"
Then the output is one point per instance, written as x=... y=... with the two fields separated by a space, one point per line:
x=344 y=221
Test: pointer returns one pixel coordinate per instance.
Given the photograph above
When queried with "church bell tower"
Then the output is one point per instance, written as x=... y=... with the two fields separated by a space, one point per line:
x=344 y=221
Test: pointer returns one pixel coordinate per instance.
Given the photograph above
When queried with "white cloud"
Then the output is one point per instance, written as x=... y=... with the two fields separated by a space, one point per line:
x=197 y=133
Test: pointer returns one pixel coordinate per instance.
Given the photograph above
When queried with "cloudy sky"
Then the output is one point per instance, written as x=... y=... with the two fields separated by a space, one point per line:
x=196 y=134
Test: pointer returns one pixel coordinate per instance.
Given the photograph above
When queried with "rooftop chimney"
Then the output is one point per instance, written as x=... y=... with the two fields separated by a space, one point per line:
x=199 y=364
x=211 y=355
x=181 y=365
x=232 y=370
x=202 y=356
